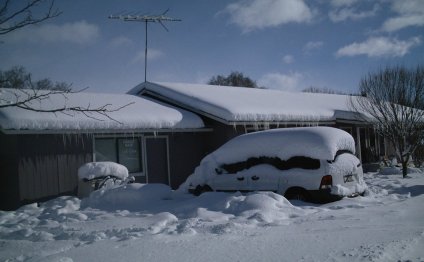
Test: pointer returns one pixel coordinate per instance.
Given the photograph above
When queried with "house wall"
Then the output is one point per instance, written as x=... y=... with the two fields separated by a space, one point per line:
x=38 y=167
x=48 y=164
x=186 y=150
x=9 y=193
x=41 y=166
x=221 y=133
x=368 y=145
x=167 y=157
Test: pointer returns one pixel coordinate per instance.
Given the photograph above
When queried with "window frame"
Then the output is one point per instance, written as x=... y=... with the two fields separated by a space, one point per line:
x=141 y=148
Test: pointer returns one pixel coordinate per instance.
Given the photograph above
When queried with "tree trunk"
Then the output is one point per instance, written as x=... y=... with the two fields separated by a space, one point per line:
x=404 y=168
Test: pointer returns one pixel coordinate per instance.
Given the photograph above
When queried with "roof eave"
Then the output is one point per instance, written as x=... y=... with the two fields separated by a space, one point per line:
x=102 y=131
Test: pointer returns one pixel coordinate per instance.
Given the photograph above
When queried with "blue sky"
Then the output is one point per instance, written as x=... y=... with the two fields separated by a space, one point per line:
x=282 y=44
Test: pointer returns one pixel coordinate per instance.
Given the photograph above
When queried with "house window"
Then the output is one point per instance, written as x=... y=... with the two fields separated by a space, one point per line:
x=105 y=150
x=129 y=154
x=125 y=151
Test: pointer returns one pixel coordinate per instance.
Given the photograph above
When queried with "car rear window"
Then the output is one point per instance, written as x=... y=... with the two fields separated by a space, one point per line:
x=294 y=162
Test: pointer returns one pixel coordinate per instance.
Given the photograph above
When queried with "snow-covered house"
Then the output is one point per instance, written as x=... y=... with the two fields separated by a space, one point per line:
x=160 y=135
x=231 y=111
x=40 y=152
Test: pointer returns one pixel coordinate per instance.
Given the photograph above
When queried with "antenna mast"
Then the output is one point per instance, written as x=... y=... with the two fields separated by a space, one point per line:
x=146 y=19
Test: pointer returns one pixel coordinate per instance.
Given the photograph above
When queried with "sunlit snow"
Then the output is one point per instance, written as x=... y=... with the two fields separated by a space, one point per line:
x=153 y=223
x=137 y=113
x=240 y=104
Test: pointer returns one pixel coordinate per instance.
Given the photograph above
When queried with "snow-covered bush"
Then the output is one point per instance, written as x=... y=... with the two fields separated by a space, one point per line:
x=94 y=170
x=100 y=175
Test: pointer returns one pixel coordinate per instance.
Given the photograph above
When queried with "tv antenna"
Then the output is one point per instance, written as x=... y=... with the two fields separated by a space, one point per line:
x=134 y=17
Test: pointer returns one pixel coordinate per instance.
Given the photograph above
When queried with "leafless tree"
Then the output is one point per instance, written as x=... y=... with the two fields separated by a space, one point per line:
x=322 y=90
x=19 y=14
x=418 y=155
x=233 y=79
x=17 y=77
x=15 y=15
x=394 y=103
x=27 y=99
x=27 y=95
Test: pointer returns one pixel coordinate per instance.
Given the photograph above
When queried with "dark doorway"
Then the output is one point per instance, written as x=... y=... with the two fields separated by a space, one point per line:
x=157 y=160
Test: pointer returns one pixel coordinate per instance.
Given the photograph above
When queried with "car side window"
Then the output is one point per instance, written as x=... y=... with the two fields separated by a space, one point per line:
x=303 y=162
x=293 y=162
x=338 y=153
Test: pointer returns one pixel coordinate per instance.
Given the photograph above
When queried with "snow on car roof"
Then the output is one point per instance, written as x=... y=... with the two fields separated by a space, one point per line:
x=314 y=142
x=240 y=104
x=139 y=113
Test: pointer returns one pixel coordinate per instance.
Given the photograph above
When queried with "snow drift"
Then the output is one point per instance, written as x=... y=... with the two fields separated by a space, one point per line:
x=153 y=223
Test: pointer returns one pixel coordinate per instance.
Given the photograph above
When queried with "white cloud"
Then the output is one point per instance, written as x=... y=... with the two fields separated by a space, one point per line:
x=351 y=13
x=397 y=23
x=280 y=81
x=379 y=47
x=121 y=41
x=408 y=6
x=79 y=32
x=312 y=45
x=152 y=54
x=410 y=13
x=259 y=14
x=288 y=59
x=340 y=3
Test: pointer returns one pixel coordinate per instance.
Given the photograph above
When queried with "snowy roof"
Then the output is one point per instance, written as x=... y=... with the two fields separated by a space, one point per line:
x=137 y=113
x=240 y=104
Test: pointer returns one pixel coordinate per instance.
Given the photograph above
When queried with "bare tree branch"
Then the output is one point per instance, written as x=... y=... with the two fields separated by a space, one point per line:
x=25 y=92
x=394 y=100
x=25 y=99
x=24 y=15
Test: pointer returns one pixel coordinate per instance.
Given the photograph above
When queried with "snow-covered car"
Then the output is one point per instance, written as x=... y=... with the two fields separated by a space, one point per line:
x=315 y=164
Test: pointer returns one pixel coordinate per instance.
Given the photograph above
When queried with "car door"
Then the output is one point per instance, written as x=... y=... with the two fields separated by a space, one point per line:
x=230 y=182
x=263 y=178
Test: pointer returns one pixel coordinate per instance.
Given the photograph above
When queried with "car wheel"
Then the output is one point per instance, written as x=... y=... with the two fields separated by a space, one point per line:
x=297 y=194
x=201 y=189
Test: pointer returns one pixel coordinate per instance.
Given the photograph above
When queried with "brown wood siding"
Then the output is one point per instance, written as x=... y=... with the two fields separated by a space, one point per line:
x=9 y=193
x=185 y=152
x=48 y=164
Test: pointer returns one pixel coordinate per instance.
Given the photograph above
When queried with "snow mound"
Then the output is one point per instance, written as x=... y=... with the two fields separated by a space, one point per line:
x=346 y=191
x=93 y=170
x=384 y=225
x=259 y=207
x=130 y=197
x=397 y=170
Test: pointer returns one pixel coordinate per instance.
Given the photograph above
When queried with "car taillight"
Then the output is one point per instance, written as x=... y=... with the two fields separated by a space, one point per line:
x=326 y=182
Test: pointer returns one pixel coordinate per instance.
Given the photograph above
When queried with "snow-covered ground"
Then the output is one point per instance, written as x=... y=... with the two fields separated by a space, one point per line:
x=153 y=223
